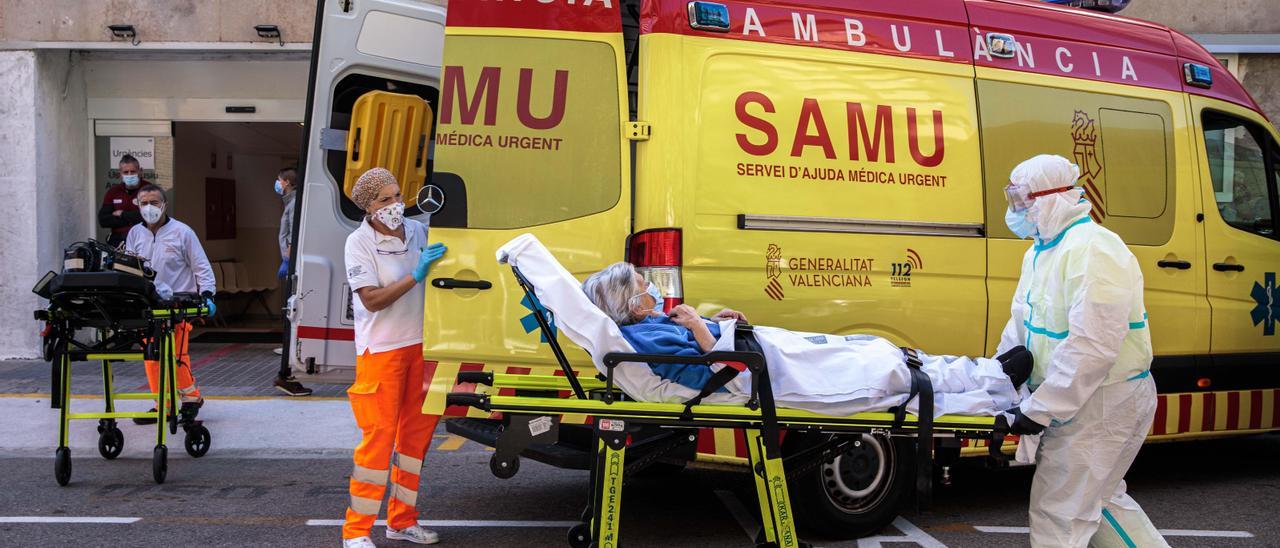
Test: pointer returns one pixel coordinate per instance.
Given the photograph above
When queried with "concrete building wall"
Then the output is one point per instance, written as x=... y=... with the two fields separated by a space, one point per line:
x=42 y=125
x=154 y=20
x=61 y=138
x=1262 y=79
x=19 y=250
x=1198 y=16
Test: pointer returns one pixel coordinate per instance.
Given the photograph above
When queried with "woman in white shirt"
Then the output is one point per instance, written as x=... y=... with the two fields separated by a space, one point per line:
x=387 y=259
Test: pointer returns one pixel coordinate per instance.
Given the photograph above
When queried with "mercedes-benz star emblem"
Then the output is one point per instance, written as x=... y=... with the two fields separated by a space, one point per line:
x=430 y=199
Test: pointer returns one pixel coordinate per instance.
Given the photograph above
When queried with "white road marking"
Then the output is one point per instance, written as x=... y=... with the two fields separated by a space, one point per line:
x=459 y=523
x=912 y=534
x=1165 y=532
x=64 y=519
x=740 y=514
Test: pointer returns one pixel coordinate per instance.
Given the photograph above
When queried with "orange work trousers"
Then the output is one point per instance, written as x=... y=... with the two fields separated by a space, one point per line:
x=187 y=389
x=387 y=401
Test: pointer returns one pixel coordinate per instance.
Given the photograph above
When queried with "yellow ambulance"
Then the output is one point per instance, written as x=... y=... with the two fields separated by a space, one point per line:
x=822 y=165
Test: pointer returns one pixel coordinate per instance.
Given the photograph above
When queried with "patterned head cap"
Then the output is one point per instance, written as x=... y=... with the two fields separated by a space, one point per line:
x=368 y=185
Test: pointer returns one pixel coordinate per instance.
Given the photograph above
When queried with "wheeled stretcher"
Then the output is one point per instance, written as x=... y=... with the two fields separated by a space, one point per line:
x=625 y=442
x=131 y=323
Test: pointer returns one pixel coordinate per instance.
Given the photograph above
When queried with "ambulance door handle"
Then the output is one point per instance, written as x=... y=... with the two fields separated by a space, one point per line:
x=450 y=283
x=1228 y=267
x=1178 y=264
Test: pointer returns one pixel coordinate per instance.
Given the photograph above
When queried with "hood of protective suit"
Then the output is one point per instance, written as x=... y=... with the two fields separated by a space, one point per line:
x=1052 y=213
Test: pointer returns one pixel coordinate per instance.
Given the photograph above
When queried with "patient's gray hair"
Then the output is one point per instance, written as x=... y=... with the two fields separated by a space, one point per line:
x=612 y=290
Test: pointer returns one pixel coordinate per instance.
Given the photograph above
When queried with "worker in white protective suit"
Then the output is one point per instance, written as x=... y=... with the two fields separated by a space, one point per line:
x=1079 y=310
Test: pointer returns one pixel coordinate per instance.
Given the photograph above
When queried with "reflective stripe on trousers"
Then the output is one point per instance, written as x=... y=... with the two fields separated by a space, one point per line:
x=386 y=399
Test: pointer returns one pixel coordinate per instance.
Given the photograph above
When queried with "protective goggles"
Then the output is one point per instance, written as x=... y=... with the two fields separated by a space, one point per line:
x=1020 y=199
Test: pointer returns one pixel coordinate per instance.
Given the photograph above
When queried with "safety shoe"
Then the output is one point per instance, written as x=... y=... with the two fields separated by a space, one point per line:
x=190 y=409
x=358 y=542
x=415 y=534
x=291 y=386
x=145 y=420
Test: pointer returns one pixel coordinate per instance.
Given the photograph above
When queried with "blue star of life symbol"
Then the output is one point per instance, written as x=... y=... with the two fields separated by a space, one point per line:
x=1267 y=295
x=530 y=321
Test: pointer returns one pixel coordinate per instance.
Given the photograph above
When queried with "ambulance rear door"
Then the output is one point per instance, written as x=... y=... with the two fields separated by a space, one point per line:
x=375 y=72
x=529 y=139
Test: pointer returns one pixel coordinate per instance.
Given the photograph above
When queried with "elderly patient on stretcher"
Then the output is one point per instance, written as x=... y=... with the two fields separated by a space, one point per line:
x=829 y=374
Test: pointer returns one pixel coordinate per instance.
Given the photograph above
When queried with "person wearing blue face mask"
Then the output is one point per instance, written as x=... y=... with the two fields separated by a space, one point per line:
x=119 y=212
x=1079 y=310
x=284 y=186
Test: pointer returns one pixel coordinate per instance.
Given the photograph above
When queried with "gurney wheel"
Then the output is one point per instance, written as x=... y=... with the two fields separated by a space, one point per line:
x=504 y=469
x=110 y=442
x=197 y=441
x=62 y=466
x=580 y=536
x=159 y=463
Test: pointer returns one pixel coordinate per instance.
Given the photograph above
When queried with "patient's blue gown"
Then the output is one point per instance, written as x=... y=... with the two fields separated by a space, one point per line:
x=660 y=335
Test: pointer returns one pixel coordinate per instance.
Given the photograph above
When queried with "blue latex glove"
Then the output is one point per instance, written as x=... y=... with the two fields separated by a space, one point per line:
x=284 y=269
x=430 y=255
x=208 y=303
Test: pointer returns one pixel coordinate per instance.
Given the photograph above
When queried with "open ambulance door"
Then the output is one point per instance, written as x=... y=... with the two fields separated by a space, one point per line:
x=529 y=139
x=374 y=84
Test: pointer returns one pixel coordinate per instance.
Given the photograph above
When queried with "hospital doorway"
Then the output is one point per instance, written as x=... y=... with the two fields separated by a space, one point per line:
x=223 y=185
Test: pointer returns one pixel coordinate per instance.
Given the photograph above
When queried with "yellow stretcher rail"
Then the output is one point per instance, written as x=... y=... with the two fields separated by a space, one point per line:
x=623 y=430
x=116 y=345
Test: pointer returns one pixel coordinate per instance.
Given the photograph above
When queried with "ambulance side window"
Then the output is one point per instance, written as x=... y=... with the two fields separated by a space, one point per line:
x=1238 y=169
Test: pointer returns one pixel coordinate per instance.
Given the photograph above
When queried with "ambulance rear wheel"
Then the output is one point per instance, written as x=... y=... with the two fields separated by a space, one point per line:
x=110 y=443
x=62 y=466
x=504 y=469
x=159 y=463
x=856 y=493
x=580 y=536
x=197 y=441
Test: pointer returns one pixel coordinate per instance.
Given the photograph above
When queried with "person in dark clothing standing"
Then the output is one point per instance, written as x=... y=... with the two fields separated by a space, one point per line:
x=286 y=182
x=119 y=211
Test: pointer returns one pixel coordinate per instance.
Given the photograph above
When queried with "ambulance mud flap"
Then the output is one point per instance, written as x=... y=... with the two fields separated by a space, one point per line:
x=518 y=433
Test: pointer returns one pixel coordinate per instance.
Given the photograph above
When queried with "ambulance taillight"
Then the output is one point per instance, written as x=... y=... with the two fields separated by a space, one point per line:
x=657 y=256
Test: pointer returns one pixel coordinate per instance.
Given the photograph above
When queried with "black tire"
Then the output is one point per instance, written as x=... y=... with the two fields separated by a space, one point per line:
x=854 y=494
x=110 y=443
x=197 y=440
x=62 y=466
x=580 y=536
x=159 y=463
x=504 y=470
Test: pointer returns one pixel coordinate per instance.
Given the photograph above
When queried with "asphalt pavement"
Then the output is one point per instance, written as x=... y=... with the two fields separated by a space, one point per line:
x=1226 y=487
x=277 y=471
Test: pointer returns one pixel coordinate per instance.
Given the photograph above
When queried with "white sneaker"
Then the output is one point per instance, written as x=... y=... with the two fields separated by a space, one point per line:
x=415 y=534
x=359 y=542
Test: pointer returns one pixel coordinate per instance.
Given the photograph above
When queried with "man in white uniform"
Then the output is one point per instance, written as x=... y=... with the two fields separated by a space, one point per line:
x=1079 y=310
x=172 y=249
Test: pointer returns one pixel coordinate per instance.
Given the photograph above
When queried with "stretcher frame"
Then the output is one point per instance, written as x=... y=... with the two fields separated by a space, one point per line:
x=532 y=415
x=118 y=341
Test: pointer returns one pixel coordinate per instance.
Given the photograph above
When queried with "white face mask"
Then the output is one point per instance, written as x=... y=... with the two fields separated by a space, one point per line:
x=151 y=213
x=392 y=216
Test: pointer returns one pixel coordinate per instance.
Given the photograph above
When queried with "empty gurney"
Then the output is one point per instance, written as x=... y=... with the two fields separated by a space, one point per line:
x=623 y=438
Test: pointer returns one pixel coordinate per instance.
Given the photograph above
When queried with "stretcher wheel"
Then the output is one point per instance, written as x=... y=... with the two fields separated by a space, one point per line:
x=62 y=466
x=197 y=441
x=110 y=442
x=580 y=536
x=504 y=469
x=159 y=463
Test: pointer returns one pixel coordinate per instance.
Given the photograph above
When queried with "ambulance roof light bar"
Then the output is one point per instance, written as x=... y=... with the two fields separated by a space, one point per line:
x=1108 y=6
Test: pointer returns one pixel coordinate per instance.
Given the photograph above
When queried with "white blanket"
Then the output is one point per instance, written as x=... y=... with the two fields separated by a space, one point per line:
x=830 y=374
